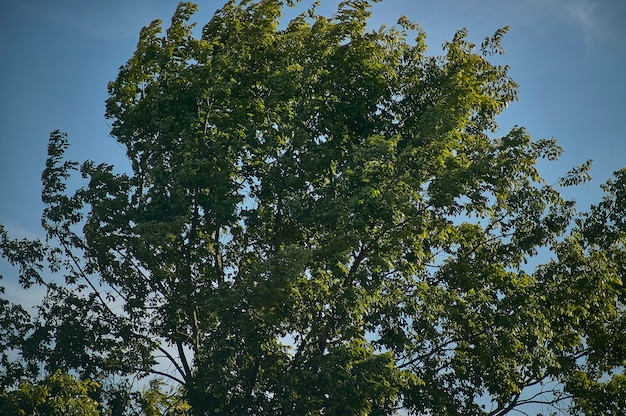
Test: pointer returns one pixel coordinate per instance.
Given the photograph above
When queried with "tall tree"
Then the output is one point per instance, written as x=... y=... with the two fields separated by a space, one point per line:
x=323 y=219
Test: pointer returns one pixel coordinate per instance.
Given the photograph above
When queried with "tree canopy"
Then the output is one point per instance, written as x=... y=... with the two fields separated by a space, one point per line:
x=319 y=218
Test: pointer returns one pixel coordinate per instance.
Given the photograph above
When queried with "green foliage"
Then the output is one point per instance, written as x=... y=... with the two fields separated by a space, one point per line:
x=14 y=327
x=157 y=402
x=58 y=395
x=320 y=219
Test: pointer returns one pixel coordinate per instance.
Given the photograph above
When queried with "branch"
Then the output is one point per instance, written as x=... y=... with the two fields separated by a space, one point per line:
x=159 y=373
x=437 y=349
x=504 y=409
x=173 y=361
x=84 y=275
x=183 y=359
x=134 y=333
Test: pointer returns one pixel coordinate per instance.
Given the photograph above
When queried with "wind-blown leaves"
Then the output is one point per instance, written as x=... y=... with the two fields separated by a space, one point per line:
x=321 y=218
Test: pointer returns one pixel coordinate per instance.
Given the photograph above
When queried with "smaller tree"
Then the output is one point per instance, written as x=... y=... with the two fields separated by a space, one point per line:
x=59 y=394
x=156 y=400
x=14 y=325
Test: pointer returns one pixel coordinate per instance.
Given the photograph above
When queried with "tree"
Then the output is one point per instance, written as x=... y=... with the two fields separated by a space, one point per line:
x=322 y=219
x=58 y=395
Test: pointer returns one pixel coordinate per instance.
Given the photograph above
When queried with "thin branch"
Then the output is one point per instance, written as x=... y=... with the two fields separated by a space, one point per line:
x=84 y=275
x=551 y=403
x=438 y=349
x=504 y=409
x=159 y=373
